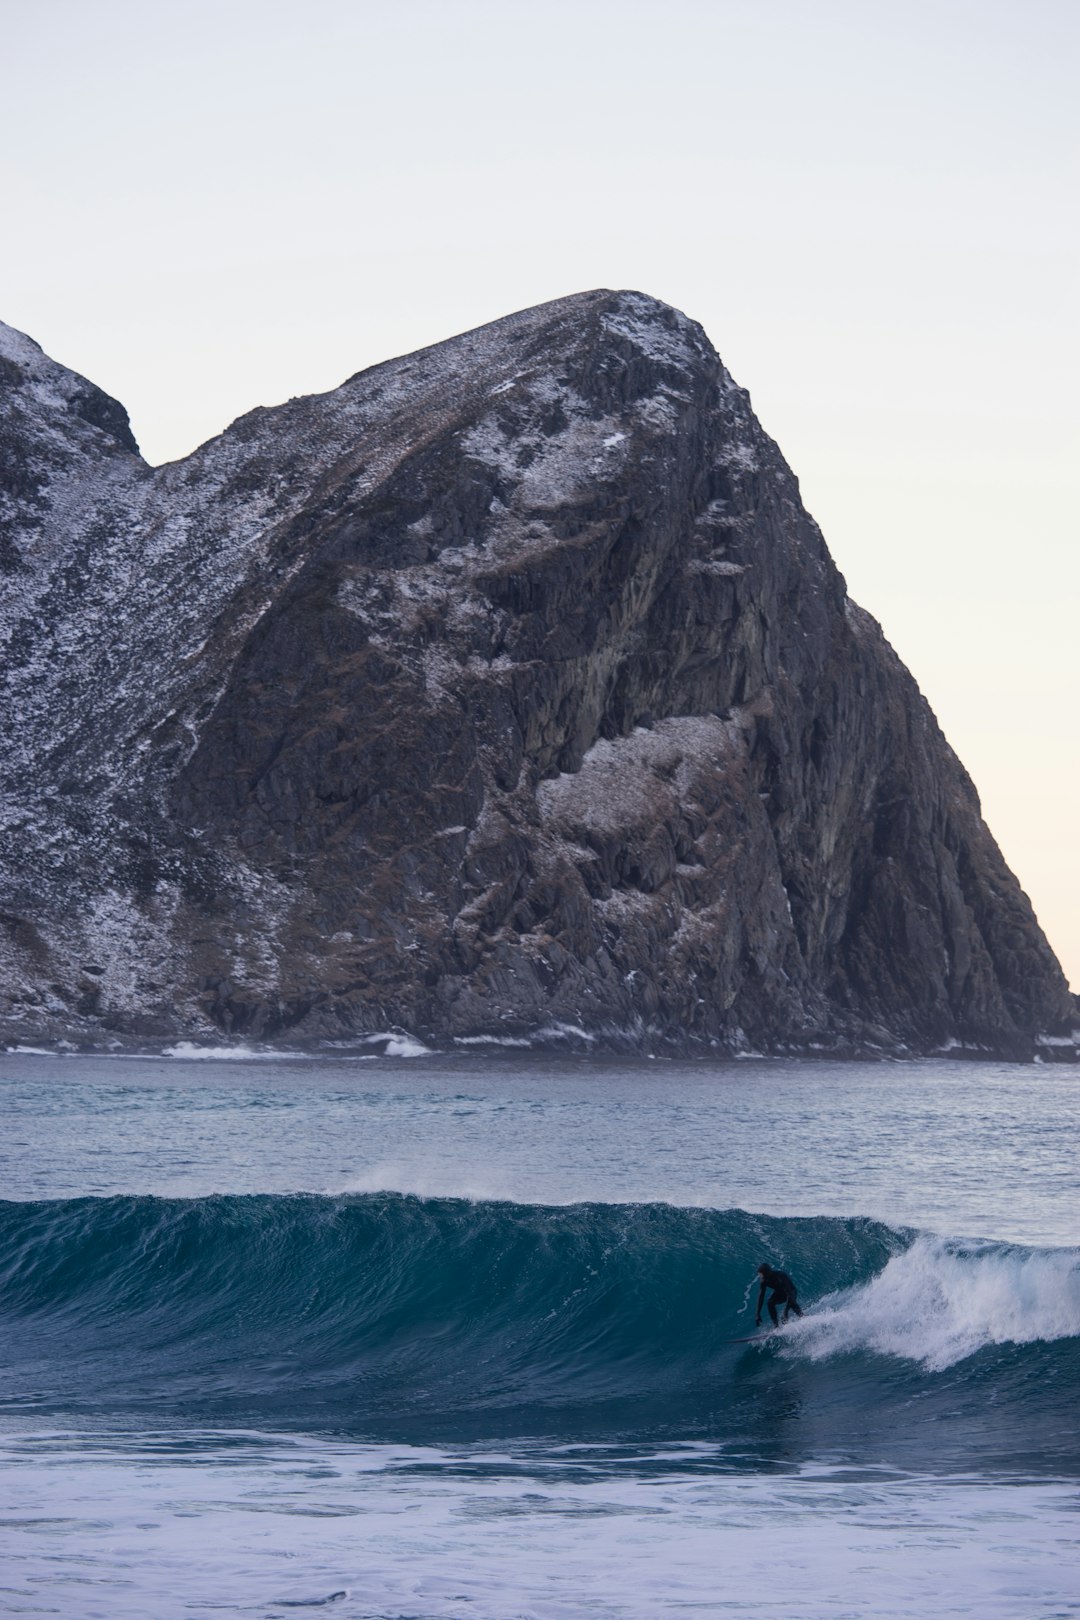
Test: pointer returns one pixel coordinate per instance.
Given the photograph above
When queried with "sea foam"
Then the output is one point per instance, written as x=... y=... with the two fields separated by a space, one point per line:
x=189 y=1052
x=941 y=1301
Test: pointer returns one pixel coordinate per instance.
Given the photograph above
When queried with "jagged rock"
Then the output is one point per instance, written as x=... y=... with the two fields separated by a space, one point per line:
x=507 y=688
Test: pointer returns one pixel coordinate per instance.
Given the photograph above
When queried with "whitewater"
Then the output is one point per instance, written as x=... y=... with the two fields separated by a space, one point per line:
x=411 y=1335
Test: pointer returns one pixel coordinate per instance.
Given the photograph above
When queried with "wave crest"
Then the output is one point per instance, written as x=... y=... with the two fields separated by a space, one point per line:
x=940 y=1302
x=368 y=1313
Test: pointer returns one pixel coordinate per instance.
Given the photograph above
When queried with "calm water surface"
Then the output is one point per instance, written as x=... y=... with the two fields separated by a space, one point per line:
x=976 y=1149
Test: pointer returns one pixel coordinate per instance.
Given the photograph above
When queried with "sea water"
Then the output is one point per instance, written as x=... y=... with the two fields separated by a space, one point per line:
x=454 y=1335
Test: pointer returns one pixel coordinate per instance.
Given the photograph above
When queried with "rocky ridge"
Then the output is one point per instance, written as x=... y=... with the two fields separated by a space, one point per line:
x=507 y=690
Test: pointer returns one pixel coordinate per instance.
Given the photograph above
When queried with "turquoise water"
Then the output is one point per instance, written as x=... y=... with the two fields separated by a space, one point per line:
x=467 y=1303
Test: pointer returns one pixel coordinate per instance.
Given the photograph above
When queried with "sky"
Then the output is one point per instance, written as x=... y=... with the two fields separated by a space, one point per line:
x=870 y=207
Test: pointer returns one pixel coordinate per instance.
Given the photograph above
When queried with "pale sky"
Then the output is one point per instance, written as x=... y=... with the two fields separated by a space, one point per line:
x=871 y=207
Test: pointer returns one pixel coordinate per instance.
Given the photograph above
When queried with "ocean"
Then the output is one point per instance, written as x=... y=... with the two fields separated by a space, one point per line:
x=406 y=1335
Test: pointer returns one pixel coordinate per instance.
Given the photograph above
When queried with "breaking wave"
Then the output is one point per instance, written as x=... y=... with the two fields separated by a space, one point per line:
x=373 y=1313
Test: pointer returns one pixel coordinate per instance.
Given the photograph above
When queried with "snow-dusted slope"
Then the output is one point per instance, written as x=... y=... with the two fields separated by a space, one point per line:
x=506 y=686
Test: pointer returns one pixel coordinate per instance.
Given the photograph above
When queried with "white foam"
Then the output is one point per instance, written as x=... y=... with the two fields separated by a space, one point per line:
x=557 y=1031
x=189 y=1052
x=492 y=1040
x=398 y=1044
x=261 y=1524
x=940 y=1302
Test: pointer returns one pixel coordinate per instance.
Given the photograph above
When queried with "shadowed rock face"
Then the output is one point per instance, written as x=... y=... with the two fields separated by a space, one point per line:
x=507 y=687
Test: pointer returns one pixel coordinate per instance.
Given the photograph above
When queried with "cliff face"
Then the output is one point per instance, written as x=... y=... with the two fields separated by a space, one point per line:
x=506 y=688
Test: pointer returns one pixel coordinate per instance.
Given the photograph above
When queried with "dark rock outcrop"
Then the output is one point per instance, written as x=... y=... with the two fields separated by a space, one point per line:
x=508 y=687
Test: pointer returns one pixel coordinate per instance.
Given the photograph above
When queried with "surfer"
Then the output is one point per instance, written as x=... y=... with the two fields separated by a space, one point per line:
x=783 y=1293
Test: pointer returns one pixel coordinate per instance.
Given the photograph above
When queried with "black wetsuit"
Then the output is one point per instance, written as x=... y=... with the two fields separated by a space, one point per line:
x=783 y=1293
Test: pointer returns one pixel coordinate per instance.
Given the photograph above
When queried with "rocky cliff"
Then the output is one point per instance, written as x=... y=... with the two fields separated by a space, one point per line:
x=506 y=689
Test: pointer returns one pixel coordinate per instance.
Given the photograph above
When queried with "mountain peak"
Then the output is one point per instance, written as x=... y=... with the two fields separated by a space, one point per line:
x=506 y=688
x=33 y=385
